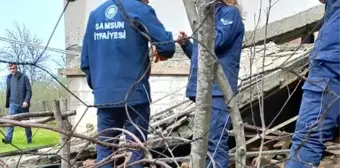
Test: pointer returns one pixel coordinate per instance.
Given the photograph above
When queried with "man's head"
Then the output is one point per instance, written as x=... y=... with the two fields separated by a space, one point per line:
x=145 y=1
x=13 y=68
x=232 y=3
x=323 y=1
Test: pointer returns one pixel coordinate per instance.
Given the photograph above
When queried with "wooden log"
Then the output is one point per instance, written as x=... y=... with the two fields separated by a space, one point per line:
x=159 y=114
x=185 y=131
x=23 y=151
x=157 y=130
x=171 y=118
x=66 y=150
x=276 y=132
x=59 y=122
x=42 y=120
x=268 y=131
x=265 y=160
x=176 y=124
x=36 y=114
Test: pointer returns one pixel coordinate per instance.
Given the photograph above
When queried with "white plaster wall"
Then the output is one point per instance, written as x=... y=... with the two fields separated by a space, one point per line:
x=77 y=14
x=76 y=17
x=160 y=86
x=75 y=21
x=173 y=87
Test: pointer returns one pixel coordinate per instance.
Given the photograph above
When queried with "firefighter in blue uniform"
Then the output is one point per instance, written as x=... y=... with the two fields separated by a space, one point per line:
x=229 y=32
x=114 y=57
x=319 y=110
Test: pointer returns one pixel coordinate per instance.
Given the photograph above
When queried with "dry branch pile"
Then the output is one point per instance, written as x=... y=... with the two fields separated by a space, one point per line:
x=169 y=129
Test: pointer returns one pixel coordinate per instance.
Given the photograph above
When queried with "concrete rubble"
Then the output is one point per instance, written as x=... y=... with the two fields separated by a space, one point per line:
x=174 y=123
x=46 y=157
x=283 y=66
x=287 y=29
x=181 y=123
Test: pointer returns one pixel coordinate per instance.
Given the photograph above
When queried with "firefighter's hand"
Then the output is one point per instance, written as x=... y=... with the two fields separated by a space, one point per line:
x=182 y=38
x=323 y=1
x=158 y=57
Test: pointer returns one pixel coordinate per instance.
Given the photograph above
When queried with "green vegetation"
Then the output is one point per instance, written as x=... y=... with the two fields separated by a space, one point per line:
x=41 y=138
x=41 y=91
x=46 y=90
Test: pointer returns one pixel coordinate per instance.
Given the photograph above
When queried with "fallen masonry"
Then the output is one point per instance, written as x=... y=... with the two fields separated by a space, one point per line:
x=173 y=130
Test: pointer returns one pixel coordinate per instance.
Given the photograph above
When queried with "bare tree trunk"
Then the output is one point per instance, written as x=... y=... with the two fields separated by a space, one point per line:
x=191 y=14
x=235 y=115
x=65 y=151
x=205 y=76
x=224 y=85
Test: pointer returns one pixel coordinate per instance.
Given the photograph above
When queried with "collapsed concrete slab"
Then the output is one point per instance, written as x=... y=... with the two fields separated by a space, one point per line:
x=282 y=66
x=287 y=29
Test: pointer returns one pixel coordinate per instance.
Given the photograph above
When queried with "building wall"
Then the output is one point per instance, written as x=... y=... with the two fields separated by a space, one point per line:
x=161 y=86
x=173 y=72
x=177 y=21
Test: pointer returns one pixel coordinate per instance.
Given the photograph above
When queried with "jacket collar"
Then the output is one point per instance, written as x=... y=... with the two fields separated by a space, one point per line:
x=331 y=7
x=18 y=74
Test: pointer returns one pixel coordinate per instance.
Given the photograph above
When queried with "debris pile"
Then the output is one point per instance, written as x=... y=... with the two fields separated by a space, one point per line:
x=170 y=128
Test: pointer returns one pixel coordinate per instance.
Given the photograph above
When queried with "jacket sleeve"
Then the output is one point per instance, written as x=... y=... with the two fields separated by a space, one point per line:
x=28 y=90
x=187 y=48
x=227 y=21
x=157 y=32
x=7 y=93
x=84 y=61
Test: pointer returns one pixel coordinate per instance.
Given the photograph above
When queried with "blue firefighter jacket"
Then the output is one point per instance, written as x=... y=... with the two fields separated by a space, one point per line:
x=229 y=32
x=115 y=55
x=327 y=45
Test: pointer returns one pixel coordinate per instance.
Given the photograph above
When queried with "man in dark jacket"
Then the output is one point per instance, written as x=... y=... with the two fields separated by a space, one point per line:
x=114 y=58
x=18 y=97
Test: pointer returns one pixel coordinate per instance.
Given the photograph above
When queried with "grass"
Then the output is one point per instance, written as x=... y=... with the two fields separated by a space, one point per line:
x=41 y=138
x=41 y=91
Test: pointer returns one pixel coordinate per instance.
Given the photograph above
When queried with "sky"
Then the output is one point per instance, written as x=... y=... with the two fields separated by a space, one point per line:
x=174 y=17
x=40 y=16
